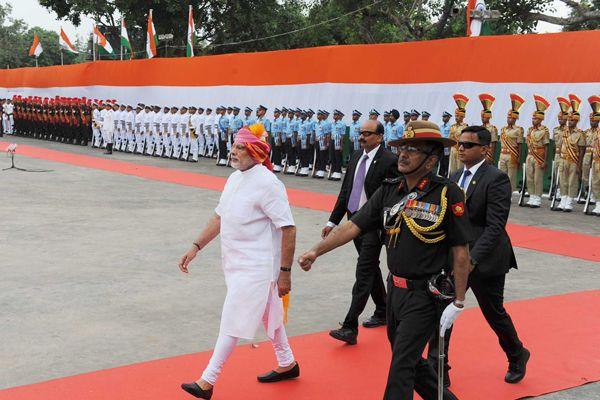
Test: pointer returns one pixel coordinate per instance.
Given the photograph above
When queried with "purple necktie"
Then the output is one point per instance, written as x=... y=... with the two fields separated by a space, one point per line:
x=357 y=186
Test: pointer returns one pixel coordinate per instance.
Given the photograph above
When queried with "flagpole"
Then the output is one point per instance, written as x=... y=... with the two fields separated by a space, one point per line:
x=36 y=62
x=93 y=47
x=61 y=58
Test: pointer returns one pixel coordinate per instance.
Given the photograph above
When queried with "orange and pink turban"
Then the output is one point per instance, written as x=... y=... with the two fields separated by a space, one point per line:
x=255 y=137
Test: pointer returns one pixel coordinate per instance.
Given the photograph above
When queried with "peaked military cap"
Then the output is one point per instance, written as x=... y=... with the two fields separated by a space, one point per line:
x=374 y=112
x=446 y=114
x=406 y=114
x=236 y=109
x=248 y=109
x=414 y=112
x=425 y=114
x=261 y=107
x=356 y=112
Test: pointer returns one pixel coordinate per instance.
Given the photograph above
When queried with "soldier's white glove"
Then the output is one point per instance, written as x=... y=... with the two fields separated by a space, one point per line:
x=448 y=317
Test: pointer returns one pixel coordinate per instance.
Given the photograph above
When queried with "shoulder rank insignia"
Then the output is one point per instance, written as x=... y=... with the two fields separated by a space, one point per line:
x=423 y=184
x=458 y=209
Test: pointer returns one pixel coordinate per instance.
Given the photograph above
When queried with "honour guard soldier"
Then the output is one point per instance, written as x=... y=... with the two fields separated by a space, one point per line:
x=386 y=128
x=184 y=127
x=304 y=139
x=261 y=112
x=248 y=118
x=176 y=132
x=557 y=135
x=151 y=134
x=276 y=140
x=311 y=129
x=119 y=129
x=423 y=218
x=590 y=136
x=445 y=132
x=235 y=124
x=355 y=130
x=165 y=122
x=425 y=116
x=137 y=126
x=336 y=143
x=8 y=121
x=200 y=132
x=194 y=129
x=414 y=115
x=456 y=129
x=487 y=101
x=159 y=146
x=595 y=145
x=209 y=126
x=511 y=139
x=155 y=125
x=396 y=129
x=321 y=145
x=538 y=138
x=2 y=102
x=129 y=129
x=223 y=127
x=406 y=117
x=290 y=140
x=108 y=127
x=572 y=151
x=140 y=137
x=373 y=114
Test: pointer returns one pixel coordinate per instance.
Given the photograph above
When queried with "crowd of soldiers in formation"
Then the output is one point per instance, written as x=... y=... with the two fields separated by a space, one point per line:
x=305 y=145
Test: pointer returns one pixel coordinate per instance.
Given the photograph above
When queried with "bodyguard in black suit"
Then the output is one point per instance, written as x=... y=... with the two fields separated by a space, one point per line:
x=367 y=169
x=488 y=194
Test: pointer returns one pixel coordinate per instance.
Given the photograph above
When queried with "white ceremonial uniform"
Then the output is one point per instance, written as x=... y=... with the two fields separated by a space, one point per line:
x=96 y=123
x=108 y=126
x=150 y=132
x=209 y=128
x=253 y=209
x=195 y=125
x=166 y=122
x=8 y=119
x=184 y=128
x=160 y=136
x=176 y=135
x=201 y=136
x=123 y=129
x=117 y=130
x=139 y=116
x=129 y=126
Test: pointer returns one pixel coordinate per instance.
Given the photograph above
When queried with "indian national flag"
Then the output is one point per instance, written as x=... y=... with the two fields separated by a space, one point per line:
x=191 y=36
x=151 y=38
x=36 y=47
x=475 y=26
x=125 y=39
x=65 y=43
x=103 y=44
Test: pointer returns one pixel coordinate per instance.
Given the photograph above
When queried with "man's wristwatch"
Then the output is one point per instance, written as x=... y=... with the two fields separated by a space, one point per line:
x=286 y=269
x=459 y=303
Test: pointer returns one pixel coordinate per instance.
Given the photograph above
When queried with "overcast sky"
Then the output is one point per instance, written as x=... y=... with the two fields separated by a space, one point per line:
x=35 y=15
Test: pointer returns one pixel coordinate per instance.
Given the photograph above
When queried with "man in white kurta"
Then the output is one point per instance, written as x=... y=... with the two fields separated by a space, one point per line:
x=257 y=232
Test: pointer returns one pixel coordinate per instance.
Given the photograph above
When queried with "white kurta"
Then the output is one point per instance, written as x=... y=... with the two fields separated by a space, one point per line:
x=253 y=209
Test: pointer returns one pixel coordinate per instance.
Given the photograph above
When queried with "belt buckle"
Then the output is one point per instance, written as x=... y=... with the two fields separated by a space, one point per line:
x=400 y=282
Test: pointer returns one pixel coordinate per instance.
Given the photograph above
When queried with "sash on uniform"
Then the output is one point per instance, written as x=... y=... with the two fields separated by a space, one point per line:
x=514 y=151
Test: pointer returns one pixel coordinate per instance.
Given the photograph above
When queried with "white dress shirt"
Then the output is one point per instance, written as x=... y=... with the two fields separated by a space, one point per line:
x=473 y=170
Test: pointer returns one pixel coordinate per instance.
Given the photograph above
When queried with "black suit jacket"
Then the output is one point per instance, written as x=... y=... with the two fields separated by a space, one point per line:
x=384 y=165
x=488 y=204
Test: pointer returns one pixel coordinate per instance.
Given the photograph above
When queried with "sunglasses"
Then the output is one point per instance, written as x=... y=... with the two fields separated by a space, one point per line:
x=367 y=133
x=411 y=150
x=468 y=145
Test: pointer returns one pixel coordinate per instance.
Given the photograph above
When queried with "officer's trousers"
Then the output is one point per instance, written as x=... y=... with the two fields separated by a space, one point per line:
x=412 y=317
x=336 y=159
x=569 y=179
x=369 y=281
x=176 y=141
x=535 y=176
x=276 y=153
x=185 y=146
x=322 y=158
x=305 y=157
x=222 y=149
x=290 y=152
x=489 y=293
x=596 y=181
x=506 y=165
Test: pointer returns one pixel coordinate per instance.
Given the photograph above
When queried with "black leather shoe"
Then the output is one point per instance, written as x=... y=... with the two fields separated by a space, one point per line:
x=197 y=391
x=274 y=376
x=516 y=370
x=374 y=322
x=446 y=378
x=345 y=335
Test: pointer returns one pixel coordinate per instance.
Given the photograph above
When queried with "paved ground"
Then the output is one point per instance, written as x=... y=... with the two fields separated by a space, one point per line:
x=90 y=278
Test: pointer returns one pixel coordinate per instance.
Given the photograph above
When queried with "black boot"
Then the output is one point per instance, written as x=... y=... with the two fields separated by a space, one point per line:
x=109 y=148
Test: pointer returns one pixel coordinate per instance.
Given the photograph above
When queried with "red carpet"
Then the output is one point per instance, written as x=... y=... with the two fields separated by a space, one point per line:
x=564 y=243
x=562 y=333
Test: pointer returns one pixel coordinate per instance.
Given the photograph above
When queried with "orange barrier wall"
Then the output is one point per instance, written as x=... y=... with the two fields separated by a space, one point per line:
x=569 y=57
